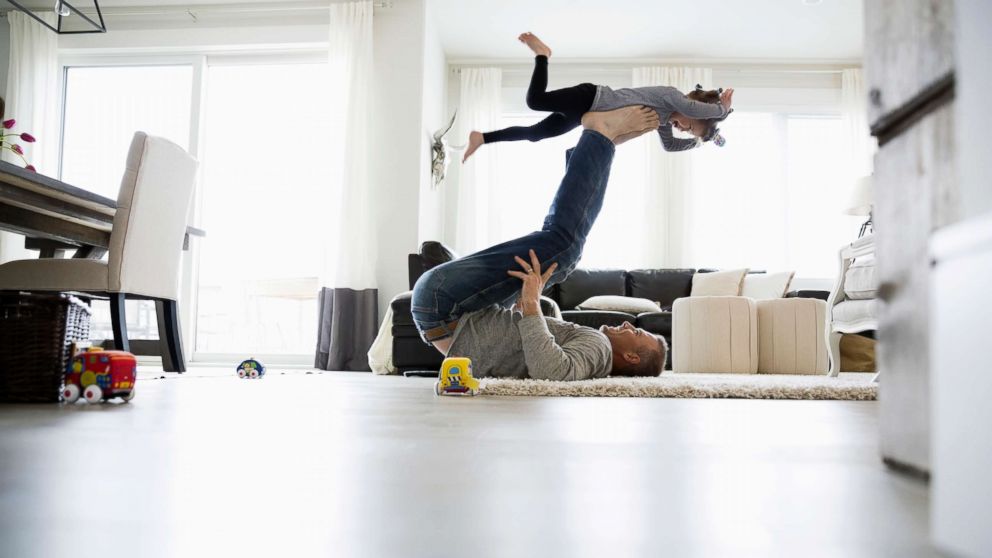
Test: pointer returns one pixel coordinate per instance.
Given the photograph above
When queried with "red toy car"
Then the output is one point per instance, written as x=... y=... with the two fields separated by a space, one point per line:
x=98 y=375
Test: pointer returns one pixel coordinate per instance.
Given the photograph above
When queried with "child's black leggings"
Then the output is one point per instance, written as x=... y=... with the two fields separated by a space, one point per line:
x=568 y=106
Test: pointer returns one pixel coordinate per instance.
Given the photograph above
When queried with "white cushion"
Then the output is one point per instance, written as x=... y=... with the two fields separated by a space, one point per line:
x=720 y=283
x=791 y=336
x=763 y=286
x=52 y=274
x=628 y=304
x=855 y=313
x=715 y=334
x=859 y=281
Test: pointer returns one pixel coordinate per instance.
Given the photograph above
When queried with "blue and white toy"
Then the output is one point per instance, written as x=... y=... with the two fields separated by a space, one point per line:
x=251 y=368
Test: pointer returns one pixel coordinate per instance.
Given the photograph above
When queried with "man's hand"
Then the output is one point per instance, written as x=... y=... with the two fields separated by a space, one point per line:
x=534 y=281
x=727 y=98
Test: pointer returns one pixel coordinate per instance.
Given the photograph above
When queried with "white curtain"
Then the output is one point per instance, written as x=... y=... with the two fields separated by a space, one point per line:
x=479 y=108
x=348 y=313
x=669 y=175
x=32 y=99
x=862 y=145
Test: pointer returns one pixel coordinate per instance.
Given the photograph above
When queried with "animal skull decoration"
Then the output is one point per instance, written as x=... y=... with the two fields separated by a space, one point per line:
x=440 y=151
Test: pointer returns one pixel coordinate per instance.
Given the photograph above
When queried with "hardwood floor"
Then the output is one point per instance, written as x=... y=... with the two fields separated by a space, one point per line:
x=347 y=464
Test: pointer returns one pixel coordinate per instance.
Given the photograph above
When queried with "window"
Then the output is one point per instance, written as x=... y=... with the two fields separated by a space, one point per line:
x=528 y=177
x=263 y=190
x=104 y=107
x=266 y=166
x=770 y=199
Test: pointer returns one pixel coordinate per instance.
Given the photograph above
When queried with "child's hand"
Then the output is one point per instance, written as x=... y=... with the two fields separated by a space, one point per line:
x=726 y=98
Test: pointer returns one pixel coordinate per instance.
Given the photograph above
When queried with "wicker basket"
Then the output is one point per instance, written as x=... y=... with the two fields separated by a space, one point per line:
x=37 y=332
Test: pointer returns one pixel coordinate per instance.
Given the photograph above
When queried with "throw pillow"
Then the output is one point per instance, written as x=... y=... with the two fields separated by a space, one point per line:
x=718 y=283
x=628 y=304
x=763 y=286
x=859 y=281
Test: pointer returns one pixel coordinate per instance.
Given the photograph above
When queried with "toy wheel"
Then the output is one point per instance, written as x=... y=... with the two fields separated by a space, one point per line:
x=129 y=396
x=93 y=393
x=437 y=388
x=241 y=373
x=254 y=373
x=70 y=393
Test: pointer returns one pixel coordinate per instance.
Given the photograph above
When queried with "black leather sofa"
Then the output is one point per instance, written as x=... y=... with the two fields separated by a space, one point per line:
x=661 y=285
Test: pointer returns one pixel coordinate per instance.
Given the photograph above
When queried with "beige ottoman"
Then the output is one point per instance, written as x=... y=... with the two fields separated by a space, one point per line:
x=715 y=334
x=791 y=336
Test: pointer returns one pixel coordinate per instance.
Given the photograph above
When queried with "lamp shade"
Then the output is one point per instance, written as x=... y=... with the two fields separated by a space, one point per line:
x=862 y=198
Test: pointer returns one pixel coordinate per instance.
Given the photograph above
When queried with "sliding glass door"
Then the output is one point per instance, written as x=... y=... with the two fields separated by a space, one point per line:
x=104 y=106
x=261 y=128
x=267 y=162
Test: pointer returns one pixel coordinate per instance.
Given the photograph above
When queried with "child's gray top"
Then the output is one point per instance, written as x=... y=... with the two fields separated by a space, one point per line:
x=507 y=344
x=665 y=100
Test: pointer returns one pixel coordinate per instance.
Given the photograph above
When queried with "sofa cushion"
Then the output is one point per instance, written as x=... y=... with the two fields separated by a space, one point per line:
x=629 y=304
x=662 y=285
x=656 y=322
x=859 y=281
x=401 y=310
x=585 y=283
x=764 y=286
x=718 y=283
x=856 y=313
x=596 y=318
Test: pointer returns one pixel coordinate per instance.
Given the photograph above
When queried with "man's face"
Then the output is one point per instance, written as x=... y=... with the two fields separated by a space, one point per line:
x=626 y=338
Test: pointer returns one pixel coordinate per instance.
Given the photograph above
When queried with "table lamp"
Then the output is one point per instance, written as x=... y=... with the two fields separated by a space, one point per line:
x=861 y=202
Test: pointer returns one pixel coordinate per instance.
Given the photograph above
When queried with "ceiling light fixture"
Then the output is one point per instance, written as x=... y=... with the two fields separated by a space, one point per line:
x=812 y=2
x=88 y=19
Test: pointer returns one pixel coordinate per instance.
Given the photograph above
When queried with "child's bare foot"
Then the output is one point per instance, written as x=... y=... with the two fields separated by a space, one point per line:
x=535 y=44
x=622 y=124
x=475 y=141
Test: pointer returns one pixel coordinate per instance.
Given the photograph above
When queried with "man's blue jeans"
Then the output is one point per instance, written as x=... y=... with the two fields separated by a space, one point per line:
x=450 y=290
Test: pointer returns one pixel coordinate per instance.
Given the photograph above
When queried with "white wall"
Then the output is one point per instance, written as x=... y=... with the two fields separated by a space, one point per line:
x=435 y=115
x=399 y=158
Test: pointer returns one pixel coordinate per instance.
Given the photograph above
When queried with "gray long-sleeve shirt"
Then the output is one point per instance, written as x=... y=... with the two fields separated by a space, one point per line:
x=507 y=344
x=663 y=99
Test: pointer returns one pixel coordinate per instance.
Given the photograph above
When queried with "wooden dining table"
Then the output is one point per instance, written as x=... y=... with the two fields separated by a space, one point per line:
x=56 y=218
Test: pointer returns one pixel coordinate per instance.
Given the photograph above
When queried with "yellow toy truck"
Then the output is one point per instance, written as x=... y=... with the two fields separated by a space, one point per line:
x=456 y=378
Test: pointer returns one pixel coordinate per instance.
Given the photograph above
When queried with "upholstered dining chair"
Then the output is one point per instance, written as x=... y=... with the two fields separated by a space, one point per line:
x=145 y=249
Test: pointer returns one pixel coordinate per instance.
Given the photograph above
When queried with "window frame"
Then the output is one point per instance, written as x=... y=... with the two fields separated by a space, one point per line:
x=200 y=63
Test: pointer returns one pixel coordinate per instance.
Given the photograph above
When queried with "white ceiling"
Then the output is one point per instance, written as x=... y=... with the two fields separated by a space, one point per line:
x=673 y=29
x=787 y=30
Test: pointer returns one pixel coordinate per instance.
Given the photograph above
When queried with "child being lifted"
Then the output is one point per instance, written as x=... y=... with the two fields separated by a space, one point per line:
x=696 y=113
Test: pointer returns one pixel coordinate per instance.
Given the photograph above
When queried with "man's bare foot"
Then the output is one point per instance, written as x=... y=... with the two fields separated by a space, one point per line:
x=535 y=44
x=622 y=124
x=475 y=141
x=624 y=138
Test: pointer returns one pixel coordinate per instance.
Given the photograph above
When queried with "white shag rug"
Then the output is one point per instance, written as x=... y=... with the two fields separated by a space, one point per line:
x=847 y=386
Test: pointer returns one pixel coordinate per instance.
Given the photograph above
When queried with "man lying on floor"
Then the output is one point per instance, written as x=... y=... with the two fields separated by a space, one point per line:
x=463 y=308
